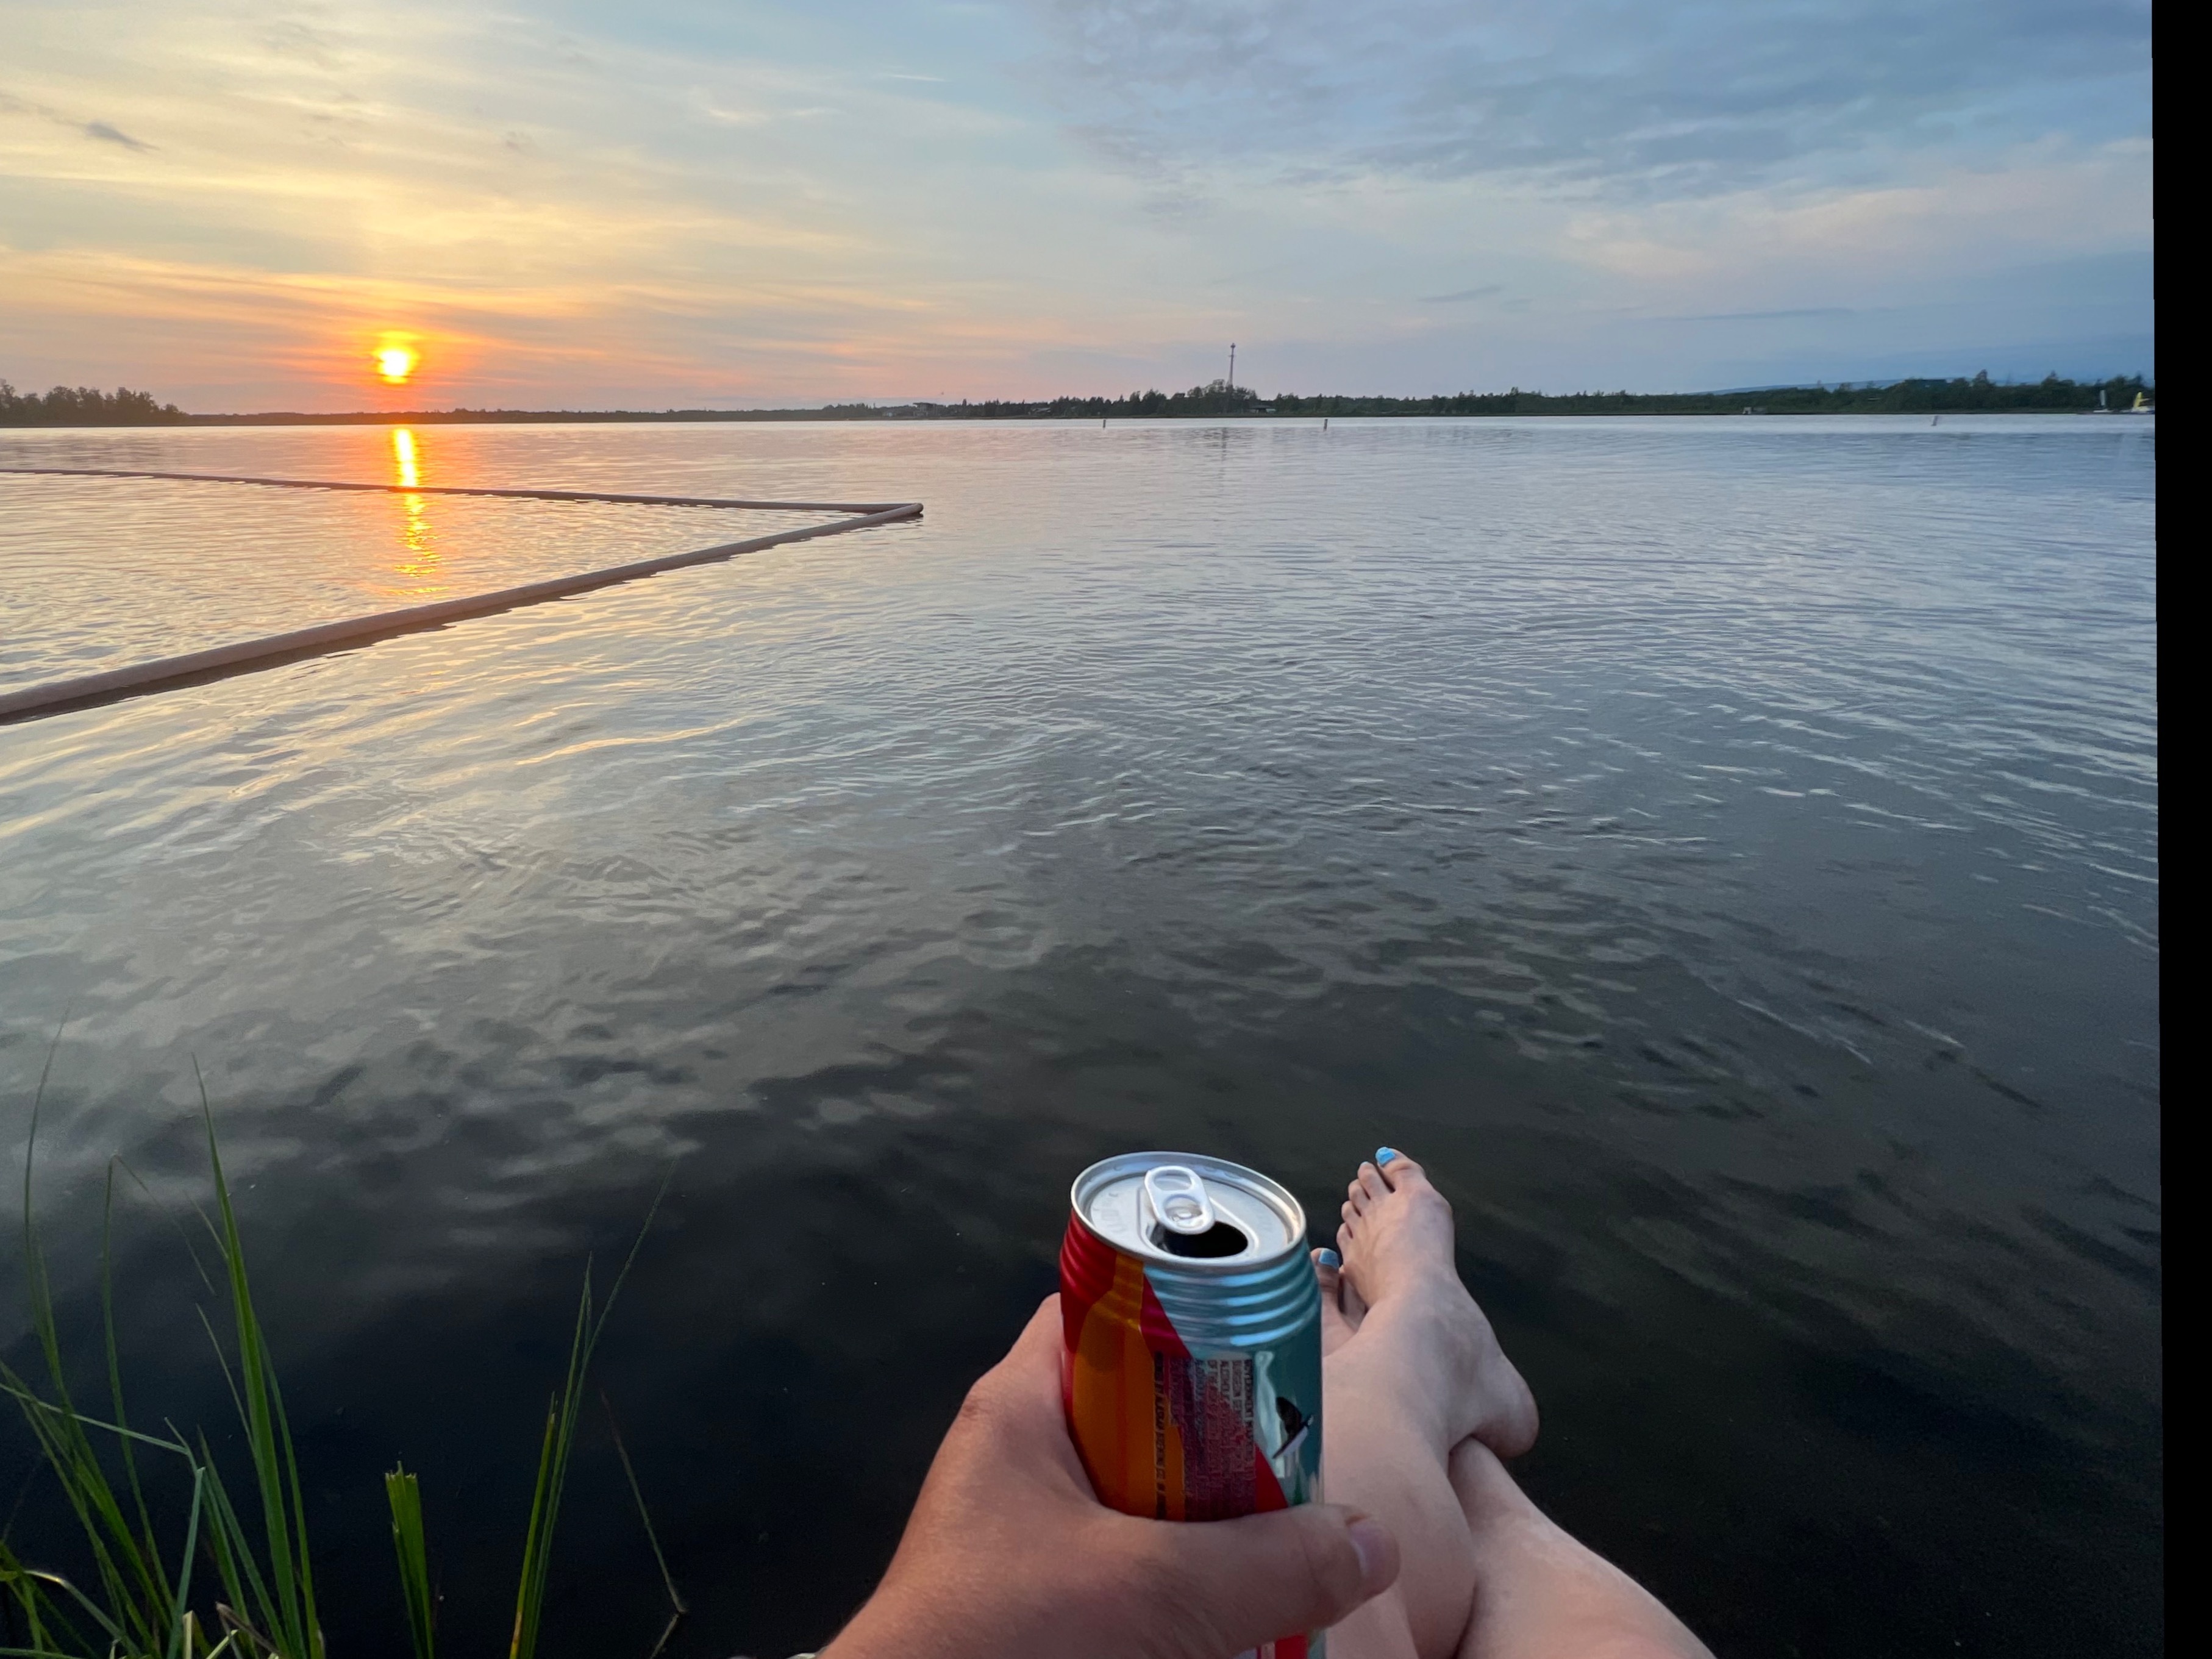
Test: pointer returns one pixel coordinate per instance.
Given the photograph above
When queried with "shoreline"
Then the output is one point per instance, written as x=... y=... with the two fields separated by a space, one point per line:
x=696 y=418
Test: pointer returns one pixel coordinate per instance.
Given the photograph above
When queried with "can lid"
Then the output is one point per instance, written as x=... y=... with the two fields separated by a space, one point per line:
x=1200 y=1214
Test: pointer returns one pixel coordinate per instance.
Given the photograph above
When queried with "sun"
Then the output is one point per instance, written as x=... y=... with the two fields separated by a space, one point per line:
x=395 y=364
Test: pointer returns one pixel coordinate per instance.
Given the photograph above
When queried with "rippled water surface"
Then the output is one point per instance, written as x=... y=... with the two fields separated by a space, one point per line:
x=167 y=566
x=1726 y=851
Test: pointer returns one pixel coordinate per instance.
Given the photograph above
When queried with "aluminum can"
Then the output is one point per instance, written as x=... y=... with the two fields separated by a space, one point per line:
x=1192 y=1320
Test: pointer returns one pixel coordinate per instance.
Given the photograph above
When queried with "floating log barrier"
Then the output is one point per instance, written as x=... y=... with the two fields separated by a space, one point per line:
x=250 y=656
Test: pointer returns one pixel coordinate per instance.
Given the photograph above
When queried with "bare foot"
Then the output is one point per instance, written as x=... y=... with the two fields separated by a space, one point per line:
x=1341 y=1310
x=1416 y=1318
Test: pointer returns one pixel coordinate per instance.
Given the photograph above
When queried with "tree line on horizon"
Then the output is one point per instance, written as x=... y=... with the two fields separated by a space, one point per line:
x=87 y=406
x=1922 y=396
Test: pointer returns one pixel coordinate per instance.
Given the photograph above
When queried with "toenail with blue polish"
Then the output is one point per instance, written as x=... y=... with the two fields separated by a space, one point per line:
x=1329 y=1258
x=1384 y=1154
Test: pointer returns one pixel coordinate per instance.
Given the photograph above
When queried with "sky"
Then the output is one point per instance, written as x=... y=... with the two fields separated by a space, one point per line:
x=235 y=203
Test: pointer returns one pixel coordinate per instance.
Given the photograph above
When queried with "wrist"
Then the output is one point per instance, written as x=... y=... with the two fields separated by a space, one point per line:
x=901 y=1621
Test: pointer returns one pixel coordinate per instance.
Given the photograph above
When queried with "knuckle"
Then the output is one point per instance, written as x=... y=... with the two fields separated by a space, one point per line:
x=1330 y=1562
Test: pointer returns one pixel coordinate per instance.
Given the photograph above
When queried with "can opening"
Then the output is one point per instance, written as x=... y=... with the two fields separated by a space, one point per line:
x=1193 y=1217
x=1220 y=1240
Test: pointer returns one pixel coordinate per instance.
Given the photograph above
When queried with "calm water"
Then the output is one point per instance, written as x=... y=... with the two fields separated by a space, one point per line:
x=1726 y=851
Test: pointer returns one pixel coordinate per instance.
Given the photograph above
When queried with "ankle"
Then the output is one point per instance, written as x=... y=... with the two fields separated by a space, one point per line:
x=1489 y=1497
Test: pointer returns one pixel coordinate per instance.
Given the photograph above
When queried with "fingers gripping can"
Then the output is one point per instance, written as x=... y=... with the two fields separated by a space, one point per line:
x=1192 y=1319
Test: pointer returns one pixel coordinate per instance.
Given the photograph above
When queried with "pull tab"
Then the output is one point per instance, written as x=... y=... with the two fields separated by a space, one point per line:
x=1178 y=1199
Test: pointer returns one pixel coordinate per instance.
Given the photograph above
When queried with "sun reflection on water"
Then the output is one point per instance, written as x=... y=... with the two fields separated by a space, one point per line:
x=419 y=560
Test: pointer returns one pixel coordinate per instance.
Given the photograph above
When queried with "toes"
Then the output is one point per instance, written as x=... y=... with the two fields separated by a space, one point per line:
x=1372 y=1185
x=1356 y=1197
x=1335 y=1328
x=1514 y=1433
x=1393 y=1168
x=1353 y=1305
x=1349 y=1216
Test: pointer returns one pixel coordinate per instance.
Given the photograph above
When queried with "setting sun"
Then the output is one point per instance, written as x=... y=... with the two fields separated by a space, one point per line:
x=395 y=363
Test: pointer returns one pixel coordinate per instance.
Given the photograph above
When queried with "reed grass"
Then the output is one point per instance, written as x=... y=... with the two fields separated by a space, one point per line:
x=405 y=1495
x=146 y=1599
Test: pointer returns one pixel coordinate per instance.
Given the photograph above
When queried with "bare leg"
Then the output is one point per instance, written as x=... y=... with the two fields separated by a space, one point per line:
x=1410 y=1369
x=1540 y=1595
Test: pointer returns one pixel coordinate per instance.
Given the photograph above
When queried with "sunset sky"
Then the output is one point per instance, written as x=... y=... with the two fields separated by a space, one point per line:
x=708 y=202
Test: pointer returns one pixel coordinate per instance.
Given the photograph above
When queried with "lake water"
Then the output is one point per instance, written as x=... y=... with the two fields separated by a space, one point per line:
x=1726 y=851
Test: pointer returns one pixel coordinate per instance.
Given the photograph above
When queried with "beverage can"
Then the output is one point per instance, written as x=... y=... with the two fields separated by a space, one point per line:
x=1192 y=1321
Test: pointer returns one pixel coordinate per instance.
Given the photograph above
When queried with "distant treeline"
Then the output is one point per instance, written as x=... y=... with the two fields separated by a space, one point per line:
x=1919 y=397
x=85 y=406
x=549 y=416
x=2050 y=395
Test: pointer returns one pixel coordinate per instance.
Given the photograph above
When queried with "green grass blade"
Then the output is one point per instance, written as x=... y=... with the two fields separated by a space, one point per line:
x=49 y=1629
x=183 y=1644
x=243 y=1582
x=183 y=1237
x=405 y=1494
x=135 y=1595
x=234 y=1560
x=16 y=1388
x=637 y=1492
x=266 y=1574
x=560 y=1438
x=545 y=1496
x=293 y=1624
x=114 y=1632
x=536 y=1540
x=62 y=1442
x=115 y=1362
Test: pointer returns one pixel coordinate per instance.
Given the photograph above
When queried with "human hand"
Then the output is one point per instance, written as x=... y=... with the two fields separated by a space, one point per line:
x=1009 y=1555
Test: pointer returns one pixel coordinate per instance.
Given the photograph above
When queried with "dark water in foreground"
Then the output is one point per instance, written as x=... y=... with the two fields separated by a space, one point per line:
x=1726 y=851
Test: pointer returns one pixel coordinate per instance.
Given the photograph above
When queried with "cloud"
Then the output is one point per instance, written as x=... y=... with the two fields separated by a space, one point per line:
x=108 y=134
x=2038 y=199
x=1758 y=316
x=1625 y=98
x=665 y=203
x=10 y=105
